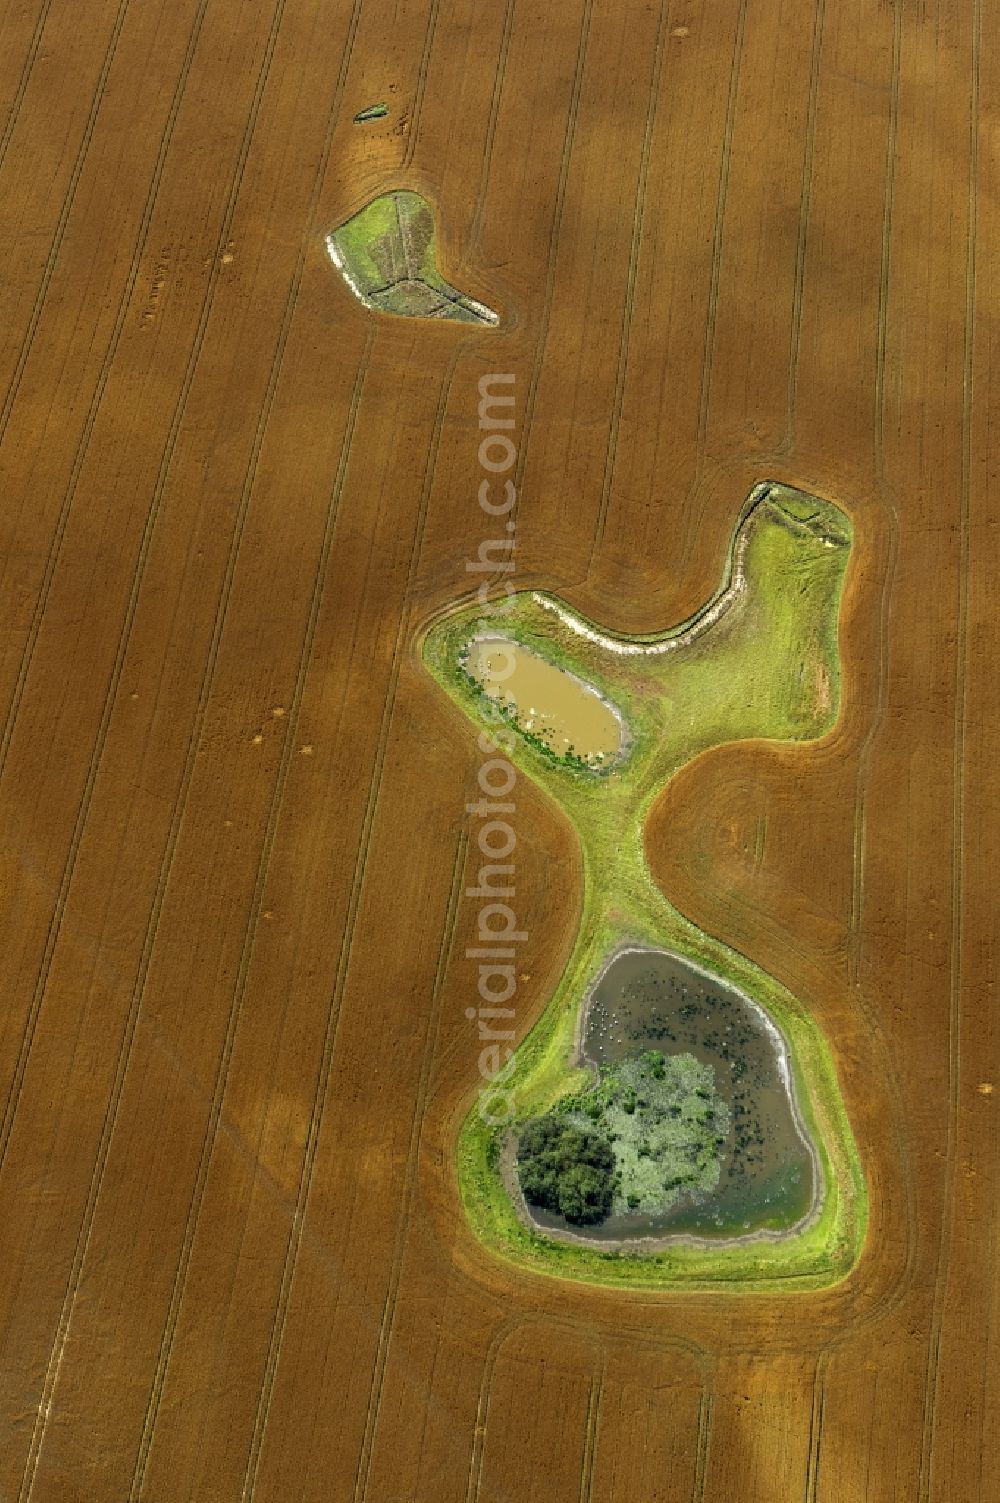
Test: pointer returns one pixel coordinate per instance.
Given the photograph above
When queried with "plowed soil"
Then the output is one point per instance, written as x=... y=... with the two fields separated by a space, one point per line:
x=729 y=241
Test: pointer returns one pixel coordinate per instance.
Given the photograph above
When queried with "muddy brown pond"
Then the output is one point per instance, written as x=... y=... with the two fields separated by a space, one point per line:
x=568 y=714
x=649 y=999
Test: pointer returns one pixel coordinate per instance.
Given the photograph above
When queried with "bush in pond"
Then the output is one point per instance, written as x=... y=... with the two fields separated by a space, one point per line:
x=666 y=1124
x=566 y=1168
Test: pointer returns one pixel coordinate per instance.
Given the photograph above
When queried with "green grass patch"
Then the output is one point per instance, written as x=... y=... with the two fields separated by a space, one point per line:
x=386 y=254
x=765 y=665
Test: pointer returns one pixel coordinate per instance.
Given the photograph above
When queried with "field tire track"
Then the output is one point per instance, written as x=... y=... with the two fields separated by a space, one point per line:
x=343 y=965
x=111 y=350
x=69 y=198
x=550 y=274
x=802 y=241
x=628 y=306
x=22 y=84
x=589 y=1460
x=881 y=468
x=586 y=1332
x=553 y=256
x=500 y=1336
x=491 y=130
x=714 y=279
x=421 y=85
x=718 y=236
x=83 y=1239
x=946 y=1234
x=477 y=1450
x=705 y=1414
x=387 y=1321
x=243 y=968
x=816 y=1416
x=880 y=1307
x=130 y=611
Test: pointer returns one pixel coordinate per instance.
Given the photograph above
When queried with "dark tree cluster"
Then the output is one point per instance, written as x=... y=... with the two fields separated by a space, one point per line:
x=565 y=1168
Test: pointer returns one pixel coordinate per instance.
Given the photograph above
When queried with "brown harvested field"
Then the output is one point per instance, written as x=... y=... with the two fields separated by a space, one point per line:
x=729 y=240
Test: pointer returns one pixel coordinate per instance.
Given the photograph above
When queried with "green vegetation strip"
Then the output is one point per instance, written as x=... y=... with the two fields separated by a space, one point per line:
x=765 y=667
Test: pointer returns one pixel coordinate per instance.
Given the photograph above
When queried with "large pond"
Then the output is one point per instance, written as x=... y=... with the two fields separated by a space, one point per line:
x=648 y=999
x=565 y=713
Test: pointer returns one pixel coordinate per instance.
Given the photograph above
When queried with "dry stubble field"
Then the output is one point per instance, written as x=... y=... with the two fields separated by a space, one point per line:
x=730 y=240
